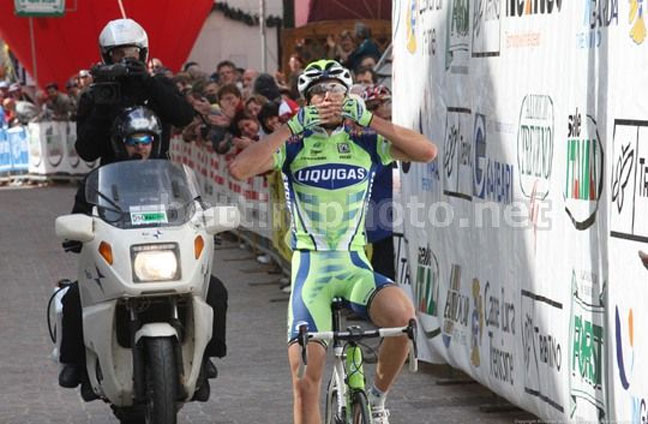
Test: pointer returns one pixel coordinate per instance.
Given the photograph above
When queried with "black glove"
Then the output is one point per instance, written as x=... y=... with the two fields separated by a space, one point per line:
x=136 y=69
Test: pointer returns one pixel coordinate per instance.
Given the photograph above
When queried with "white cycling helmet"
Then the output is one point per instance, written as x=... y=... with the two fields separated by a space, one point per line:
x=320 y=70
x=122 y=32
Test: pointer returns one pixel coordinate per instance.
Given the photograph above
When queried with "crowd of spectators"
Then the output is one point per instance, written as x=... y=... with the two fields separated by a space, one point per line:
x=234 y=106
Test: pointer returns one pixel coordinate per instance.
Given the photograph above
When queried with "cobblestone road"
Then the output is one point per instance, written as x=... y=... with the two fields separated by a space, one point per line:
x=253 y=386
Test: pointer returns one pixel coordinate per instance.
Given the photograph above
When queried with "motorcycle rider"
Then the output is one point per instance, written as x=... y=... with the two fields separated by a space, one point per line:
x=124 y=41
x=136 y=135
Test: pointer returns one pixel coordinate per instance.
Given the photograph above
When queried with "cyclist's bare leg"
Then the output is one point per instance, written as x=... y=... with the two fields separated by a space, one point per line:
x=306 y=392
x=391 y=308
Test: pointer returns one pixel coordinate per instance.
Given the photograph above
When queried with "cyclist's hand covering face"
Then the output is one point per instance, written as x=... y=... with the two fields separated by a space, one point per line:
x=328 y=97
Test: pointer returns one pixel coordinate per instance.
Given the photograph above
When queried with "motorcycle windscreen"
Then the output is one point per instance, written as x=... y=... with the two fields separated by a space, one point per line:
x=143 y=193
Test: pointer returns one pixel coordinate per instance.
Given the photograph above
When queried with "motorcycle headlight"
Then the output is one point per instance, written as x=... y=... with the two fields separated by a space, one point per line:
x=155 y=262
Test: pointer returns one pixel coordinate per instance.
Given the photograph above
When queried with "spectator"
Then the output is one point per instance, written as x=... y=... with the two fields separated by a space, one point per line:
x=226 y=72
x=16 y=93
x=296 y=66
x=248 y=81
x=72 y=90
x=210 y=91
x=341 y=50
x=182 y=81
x=10 y=118
x=379 y=213
x=4 y=89
x=266 y=86
x=254 y=104
x=155 y=66
x=246 y=125
x=85 y=79
x=26 y=111
x=367 y=46
x=58 y=106
x=269 y=118
x=189 y=65
x=367 y=62
x=365 y=76
x=230 y=100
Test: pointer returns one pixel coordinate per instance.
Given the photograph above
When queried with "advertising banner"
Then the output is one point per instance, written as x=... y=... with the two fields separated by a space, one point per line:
x=525 y=232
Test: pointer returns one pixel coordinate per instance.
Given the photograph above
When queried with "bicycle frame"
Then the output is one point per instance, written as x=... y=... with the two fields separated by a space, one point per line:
x=348 y=367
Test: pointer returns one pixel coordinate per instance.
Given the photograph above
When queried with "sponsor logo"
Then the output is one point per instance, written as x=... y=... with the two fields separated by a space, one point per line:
x=629 y=199
x=97 y=279
x=535 y=144
x=70 y=137
x=638 y=25
x=430 y=178
x=587 y=367
x=54 y=146
x=541 y=348
x=598 y=15
x=486 y=28
x=343 y=148
x=458 y=37
x=410 y=21
x=520 y=8
x=492 y=180
x=476 y=324
x=584 y=172
x=426 y=290
x=500 y=323
x=625 y=364
x=457 y=155
x=331 y=176
x=455 y=313
x=625 y=359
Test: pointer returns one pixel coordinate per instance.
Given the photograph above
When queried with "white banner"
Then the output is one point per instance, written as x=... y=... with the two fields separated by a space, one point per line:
x=525 y=231
x=52 y=152
x=219 y=188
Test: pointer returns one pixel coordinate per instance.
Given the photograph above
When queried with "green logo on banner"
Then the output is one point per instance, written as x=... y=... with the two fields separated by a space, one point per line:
x=587 y=385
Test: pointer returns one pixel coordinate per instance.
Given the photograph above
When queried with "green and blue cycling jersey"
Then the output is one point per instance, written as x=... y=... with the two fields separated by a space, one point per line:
x=328 y=181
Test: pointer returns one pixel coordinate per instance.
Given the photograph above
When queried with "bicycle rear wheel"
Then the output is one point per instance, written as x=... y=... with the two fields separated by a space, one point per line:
x=360 y=413
x=333 y=413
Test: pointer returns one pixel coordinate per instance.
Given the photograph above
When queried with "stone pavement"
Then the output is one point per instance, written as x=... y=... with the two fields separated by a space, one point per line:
x=254 y=381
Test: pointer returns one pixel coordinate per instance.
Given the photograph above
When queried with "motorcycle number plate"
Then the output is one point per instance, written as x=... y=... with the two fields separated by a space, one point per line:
x=148 y=214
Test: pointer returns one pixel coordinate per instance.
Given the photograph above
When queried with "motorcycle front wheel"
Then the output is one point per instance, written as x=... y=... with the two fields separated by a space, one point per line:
x=161 y=381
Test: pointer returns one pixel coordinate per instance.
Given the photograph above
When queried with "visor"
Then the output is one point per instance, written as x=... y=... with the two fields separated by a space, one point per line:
x=133 y=140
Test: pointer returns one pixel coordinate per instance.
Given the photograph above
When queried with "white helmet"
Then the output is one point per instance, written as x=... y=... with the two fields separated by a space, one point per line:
x=123 y=32
x=320 y=70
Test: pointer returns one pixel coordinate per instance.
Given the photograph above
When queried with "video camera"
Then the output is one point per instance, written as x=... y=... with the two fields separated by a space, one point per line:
x=106 y=90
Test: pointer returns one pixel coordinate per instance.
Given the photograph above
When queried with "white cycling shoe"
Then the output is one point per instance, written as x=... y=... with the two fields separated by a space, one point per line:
x=379 y=415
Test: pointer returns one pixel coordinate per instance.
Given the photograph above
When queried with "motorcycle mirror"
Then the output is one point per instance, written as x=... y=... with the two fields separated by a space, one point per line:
x=75 y=227
x=221 y=218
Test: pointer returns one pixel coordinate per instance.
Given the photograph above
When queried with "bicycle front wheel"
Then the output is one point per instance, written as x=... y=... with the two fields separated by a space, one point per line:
x=360 y=413
x=334 y=413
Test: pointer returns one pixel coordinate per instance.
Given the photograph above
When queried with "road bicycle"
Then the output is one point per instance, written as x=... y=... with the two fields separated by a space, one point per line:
x=346 y=396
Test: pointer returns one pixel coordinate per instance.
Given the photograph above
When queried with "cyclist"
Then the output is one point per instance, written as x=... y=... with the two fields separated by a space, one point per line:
x=328 y=170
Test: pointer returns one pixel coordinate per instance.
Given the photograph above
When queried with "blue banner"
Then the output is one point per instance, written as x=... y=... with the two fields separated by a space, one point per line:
x=5 y=153
x=17 y=138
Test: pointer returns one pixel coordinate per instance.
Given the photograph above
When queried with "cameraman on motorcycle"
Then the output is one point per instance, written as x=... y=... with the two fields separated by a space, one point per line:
x=136 y=134
x=123 y=81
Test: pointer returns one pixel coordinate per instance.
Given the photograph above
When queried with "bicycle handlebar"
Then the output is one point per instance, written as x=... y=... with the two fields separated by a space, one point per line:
x=356 y=334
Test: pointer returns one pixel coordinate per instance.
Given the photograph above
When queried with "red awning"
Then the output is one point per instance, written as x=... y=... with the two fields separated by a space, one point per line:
x=66 y=44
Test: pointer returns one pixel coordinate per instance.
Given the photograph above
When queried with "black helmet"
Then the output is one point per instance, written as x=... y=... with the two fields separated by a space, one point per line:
x=138 y=119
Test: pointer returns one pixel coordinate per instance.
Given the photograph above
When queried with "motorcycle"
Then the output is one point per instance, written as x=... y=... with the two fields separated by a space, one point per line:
x=144 y=272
